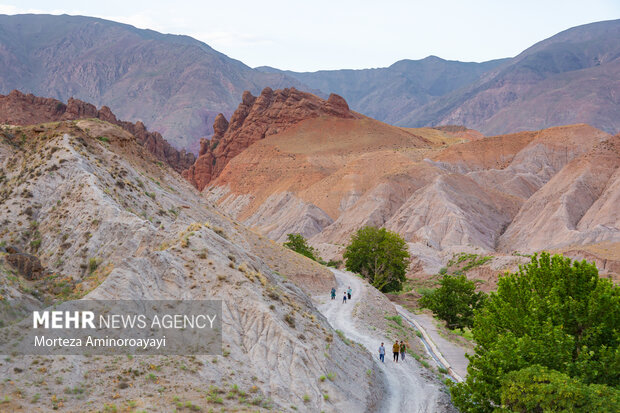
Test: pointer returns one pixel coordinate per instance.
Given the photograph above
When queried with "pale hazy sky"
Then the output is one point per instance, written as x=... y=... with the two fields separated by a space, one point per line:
x=333 y=34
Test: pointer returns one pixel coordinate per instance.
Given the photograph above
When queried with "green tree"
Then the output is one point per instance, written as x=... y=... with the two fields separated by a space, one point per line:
x=552 y=313
x=298 y=243
x=380 y=255
x=538 y=389
x=454 y=301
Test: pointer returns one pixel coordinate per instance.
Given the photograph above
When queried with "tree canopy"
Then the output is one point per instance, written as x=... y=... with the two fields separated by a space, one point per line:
x=380 y=256
x=454 y=301
x=554 y=314
x=538 y=389
x=298 y=243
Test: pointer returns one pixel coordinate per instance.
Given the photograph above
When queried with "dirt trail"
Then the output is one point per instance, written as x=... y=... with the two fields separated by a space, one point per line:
x=407 y=390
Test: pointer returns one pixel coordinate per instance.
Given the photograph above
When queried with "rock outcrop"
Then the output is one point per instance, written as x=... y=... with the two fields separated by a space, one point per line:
x=18 y=108
x=256 y=118
x=26 y=265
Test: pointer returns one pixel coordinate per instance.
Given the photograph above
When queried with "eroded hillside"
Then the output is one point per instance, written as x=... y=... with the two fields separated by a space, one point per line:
x=96 y=215
x=446 y=190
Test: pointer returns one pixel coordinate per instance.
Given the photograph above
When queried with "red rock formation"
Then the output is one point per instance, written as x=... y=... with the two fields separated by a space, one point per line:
x=257 y=117
x=77 y=109
x=17 y=108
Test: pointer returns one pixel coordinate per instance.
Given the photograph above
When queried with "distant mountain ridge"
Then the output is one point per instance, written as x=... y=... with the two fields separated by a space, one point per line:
x=177 y=85
x=391 y=93
x=568 y=78
x=572 y=77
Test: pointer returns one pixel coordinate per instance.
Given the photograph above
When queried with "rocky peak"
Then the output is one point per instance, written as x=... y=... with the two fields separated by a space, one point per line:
x=77 y=109
x=220 y=125
x=18 y=108
x=248 y=99
x=273 y=111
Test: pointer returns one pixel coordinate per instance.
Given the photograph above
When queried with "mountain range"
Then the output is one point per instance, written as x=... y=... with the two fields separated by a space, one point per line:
x=176 y=85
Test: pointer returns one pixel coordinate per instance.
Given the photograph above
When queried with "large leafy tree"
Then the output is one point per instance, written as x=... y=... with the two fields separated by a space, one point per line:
x=380 y=256
x=454 y=301
x=298 y=243
x=552 y=313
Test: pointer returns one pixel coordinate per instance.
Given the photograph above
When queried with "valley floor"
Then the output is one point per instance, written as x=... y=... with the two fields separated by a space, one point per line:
x=408 y=386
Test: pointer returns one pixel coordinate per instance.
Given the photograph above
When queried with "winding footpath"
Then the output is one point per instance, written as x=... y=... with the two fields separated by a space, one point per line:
x=407 y=389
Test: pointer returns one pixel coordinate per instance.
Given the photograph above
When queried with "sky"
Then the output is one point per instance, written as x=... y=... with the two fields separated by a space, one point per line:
x=342 y=34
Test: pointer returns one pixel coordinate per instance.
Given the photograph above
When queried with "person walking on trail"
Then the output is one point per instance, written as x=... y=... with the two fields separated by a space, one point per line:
x=403 y=349
x=382 y=353
x=333 y=293
x=344 y=298
x=396 y=350
x=349 y=291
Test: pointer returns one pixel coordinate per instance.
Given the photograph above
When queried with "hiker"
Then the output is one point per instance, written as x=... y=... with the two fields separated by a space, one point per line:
x=349 y=291
x=396 y=350
x=382 y=353
x=333 y=293
x=403 y=349
x=344 y=298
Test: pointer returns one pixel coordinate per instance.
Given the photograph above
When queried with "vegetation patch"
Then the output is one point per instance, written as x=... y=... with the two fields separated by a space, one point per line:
x=547 y=340
x=380 y=256
x=463 y=262
x=299 y=244
x=454 y=301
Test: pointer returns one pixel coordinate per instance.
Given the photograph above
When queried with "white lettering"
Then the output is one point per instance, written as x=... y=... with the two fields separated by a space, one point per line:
x=212 y=319
x=63 y=319
x=40 y=319
x=56 y=319
x=41 y=341
x=87 y=319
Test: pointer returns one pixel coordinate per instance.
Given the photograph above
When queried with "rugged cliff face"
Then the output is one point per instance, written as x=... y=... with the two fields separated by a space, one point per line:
x=18 y=108
x=270 y=113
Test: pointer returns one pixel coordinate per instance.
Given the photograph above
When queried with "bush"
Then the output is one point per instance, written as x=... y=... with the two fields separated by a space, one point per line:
x=380 y=256
x=290 y=319
x=553 y=314
x=93 y=263
x=298 y=243
x=395 y=318
x=454 y=301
